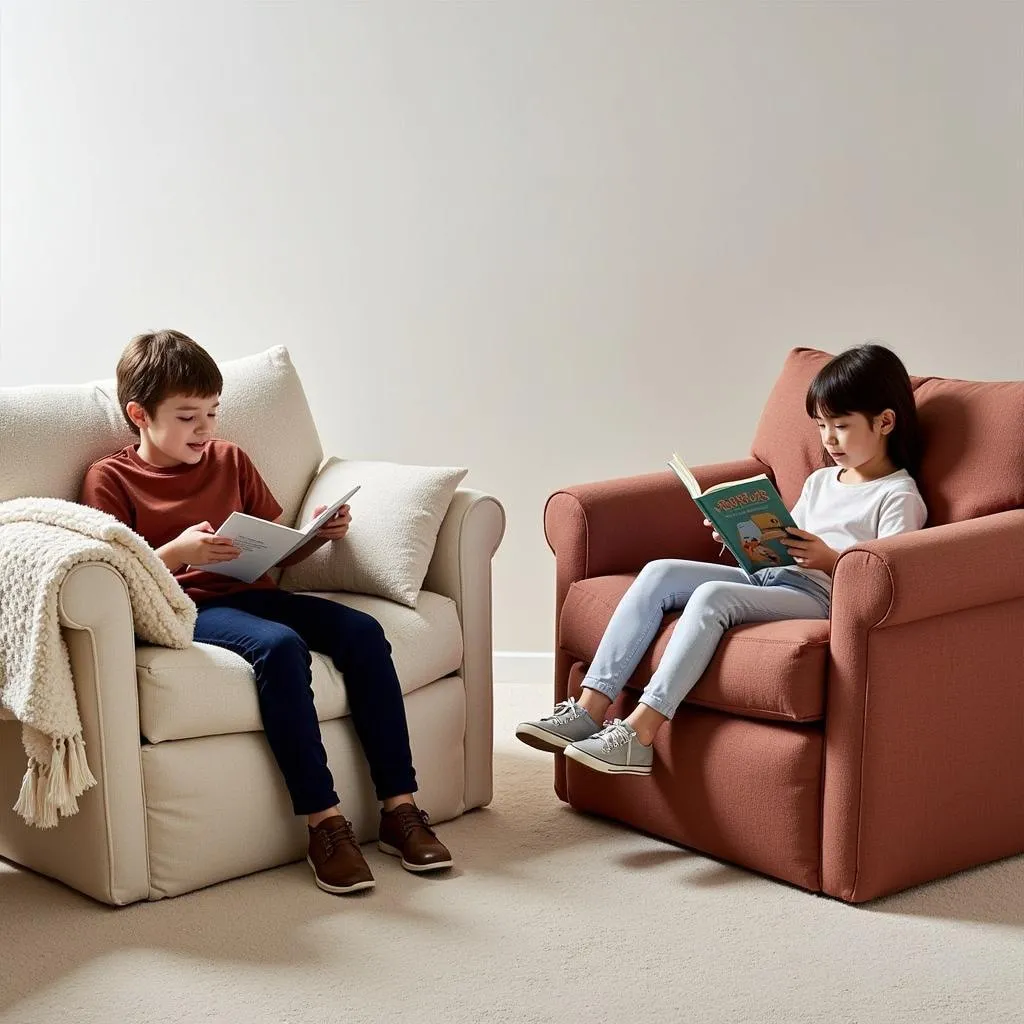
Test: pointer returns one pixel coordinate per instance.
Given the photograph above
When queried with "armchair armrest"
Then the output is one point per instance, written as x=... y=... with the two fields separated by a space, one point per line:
x=617 y=526
x=101 y=850
x=461 y=569
x=924 y=728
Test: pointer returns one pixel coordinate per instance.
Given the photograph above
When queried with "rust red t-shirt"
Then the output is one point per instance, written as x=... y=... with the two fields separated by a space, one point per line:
x=159 y=503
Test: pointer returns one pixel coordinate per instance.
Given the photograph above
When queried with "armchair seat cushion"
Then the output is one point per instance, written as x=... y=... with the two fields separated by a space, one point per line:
x=772 y=670
x=209 y=691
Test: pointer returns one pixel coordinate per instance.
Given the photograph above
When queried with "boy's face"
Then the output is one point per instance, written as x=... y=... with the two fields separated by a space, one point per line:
x=178 y=430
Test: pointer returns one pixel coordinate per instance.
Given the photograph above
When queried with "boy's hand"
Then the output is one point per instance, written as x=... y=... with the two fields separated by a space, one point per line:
x=714 y=534
x=810 y=552
x=337 y=526
x=199 y=546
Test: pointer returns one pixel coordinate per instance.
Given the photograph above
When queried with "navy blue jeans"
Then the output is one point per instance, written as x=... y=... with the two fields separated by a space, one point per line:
x=275 y=630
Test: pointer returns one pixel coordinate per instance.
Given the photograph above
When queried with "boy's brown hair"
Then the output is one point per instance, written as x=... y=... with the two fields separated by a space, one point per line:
x=161 y=364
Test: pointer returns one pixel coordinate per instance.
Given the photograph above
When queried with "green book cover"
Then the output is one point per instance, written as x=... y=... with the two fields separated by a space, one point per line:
x=748 y=515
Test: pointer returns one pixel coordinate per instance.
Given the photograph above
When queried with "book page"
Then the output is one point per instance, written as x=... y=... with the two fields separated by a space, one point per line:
x=682 y=471
x=262 y=543
x=734 y=483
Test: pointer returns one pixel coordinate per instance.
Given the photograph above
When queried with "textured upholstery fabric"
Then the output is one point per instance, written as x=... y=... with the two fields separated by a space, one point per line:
x=395 y=518
x=925 y=711
x=746 y=791
x=185 y=814
x=974 y=447
x=208 y=691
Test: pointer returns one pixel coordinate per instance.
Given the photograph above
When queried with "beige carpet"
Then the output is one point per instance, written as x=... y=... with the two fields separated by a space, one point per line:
x=550 y=916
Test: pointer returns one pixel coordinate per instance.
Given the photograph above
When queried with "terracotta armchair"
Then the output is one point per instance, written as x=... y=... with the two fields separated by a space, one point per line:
x=857 y=756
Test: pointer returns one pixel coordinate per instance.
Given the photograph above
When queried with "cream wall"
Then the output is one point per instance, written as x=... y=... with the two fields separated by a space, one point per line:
x=549 y=241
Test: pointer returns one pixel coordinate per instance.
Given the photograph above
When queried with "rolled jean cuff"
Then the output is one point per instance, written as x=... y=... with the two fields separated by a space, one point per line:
x=657 y=704
x=607 y=688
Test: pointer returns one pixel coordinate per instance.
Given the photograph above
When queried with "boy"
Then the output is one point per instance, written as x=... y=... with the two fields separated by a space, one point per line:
x=173 y=488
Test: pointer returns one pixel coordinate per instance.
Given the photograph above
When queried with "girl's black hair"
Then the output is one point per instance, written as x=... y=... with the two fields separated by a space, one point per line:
x=869 y=379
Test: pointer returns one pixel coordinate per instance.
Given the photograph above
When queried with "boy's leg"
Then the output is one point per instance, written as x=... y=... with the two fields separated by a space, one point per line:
x=712 y=609
x=357 y=645
x=281 y=664
x=662 y=586
x=359 y=648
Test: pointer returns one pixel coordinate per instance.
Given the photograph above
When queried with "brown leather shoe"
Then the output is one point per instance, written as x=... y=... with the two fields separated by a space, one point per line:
x=335 y=857
x=405 y=833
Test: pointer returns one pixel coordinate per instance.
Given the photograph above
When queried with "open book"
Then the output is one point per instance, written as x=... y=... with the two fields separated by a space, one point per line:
x=263 y=544
x=748 y=515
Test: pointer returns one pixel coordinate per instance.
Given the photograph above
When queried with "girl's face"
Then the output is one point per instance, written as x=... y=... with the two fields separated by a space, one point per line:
x=855 y=441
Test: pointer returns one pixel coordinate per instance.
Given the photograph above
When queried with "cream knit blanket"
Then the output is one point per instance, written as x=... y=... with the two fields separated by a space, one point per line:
x=41 y=540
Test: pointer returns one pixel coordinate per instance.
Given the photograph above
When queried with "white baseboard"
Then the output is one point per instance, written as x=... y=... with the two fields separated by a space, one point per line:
x=524 y=667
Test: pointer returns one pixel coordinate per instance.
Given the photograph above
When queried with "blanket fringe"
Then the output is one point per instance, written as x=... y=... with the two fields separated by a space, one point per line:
x=26 y=804
x=79 y=776
x=47 y=789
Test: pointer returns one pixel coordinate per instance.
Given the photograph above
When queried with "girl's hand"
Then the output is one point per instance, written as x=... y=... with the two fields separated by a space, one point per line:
x=717 y=537
x=337 y=526
x=810 y=552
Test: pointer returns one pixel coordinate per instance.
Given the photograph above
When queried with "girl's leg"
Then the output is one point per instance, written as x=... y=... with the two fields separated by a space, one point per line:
x=662 y=586
x=713 y=608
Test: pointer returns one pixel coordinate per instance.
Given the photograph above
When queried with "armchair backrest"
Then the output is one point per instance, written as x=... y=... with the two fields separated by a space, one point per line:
x=50 y=434
x=973 y=440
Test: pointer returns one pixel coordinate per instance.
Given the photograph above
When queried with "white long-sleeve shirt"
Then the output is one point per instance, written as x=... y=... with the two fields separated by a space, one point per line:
x=845 y=514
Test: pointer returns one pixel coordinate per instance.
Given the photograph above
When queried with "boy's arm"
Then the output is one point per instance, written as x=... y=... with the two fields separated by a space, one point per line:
x=105 y=491
x=257 y=498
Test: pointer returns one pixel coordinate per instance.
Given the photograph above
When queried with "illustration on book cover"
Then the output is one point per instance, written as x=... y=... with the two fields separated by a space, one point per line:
x=752 y=540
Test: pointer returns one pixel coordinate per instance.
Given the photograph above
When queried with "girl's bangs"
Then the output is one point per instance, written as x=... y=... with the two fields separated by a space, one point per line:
x=828 y=398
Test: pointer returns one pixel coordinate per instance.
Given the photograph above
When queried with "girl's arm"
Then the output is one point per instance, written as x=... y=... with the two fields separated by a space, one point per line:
x=901 y=512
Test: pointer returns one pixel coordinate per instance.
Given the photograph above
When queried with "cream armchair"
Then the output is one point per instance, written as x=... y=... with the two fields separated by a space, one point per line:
x=188 y=793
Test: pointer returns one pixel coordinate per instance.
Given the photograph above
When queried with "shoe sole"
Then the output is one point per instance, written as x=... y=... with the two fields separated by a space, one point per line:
x=340 y=890
x=393 y=851
x=589 y=761
x=539 y=739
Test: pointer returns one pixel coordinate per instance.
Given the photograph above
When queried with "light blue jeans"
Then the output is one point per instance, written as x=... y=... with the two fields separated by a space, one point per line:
x=713 y=598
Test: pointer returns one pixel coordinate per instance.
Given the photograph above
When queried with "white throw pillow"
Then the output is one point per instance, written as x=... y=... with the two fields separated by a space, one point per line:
x=396 y=515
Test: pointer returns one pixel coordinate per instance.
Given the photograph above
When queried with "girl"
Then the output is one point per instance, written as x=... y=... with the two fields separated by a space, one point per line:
x=864 y=406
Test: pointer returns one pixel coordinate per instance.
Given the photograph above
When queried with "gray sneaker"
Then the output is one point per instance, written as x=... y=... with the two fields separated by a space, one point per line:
x=615 y=750
x=568 y=722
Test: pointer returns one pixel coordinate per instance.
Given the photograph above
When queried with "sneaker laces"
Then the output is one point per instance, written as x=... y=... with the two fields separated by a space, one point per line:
x=336 y=834
x=566 y=709
x=616 y=734
x=412 y=818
